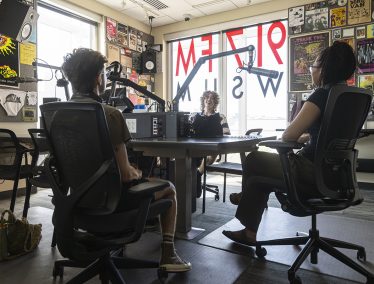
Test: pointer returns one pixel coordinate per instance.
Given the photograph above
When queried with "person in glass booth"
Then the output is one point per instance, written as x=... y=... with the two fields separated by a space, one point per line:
x=85 y=70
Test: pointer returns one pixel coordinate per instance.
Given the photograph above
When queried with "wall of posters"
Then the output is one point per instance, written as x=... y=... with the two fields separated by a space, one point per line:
x=303 y=52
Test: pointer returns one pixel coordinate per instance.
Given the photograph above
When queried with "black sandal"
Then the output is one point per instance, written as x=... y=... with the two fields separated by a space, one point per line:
x=241 y=240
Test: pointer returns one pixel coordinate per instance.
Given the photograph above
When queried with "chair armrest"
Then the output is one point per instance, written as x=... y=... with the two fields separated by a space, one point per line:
x=365 y=133
x=148 y=188
x=282 y=146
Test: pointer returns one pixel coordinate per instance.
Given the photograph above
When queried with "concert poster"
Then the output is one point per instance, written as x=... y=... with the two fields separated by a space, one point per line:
x=316 y=17
x=9 y=61
x=303 y=52
x=296 y=19
x=359 y=11
x=123 y=35
x=338 y=17
x=365 y=55
x=111 y=30
x=133 y=38
x=367 y=82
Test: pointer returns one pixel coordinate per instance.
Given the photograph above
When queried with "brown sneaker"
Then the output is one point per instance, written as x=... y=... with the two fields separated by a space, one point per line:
x=171 y=262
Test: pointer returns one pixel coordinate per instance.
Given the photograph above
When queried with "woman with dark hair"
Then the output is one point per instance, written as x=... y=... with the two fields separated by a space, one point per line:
x=334 y=65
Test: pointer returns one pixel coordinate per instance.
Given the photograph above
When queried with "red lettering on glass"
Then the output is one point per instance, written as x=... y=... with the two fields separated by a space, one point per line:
x=229 y=35
x=259 y=45
x=275 y=46
x=208 y=51
x=180 y=55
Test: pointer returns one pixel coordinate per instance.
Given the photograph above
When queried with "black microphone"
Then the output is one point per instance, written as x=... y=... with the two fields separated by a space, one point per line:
x=26 y=80
x=262 y=72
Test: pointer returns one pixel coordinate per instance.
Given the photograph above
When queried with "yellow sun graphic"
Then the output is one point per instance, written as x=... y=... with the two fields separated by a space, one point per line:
x=7 y=46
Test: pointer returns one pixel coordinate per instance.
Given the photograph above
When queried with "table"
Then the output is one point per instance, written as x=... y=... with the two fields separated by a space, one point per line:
x=183 y=149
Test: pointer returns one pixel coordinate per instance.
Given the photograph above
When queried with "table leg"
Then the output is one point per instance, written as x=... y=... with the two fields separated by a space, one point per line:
x=183 y=185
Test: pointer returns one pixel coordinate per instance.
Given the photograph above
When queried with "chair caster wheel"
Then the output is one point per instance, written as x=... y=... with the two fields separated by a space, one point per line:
x=58 y=271
x=162 y=275
x=216 y=197
x=261 y=252
x=295 y=279
x=361 y=255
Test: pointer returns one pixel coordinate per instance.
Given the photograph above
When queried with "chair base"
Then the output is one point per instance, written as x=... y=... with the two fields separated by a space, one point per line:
x=313 y=243
x=107 y=267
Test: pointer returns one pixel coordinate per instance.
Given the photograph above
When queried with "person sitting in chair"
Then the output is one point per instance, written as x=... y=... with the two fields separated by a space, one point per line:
x=334 y=65
x=208 y=123
x=85 y=70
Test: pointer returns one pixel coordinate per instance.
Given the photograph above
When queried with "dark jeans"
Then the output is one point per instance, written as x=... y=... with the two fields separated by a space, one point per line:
x=254 y=198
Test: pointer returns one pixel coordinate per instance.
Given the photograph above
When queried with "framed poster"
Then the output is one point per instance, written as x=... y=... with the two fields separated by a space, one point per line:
x=365 y=55
x=338 y=17
x=122 y=35
x=111 y=30
x=9 y=61
x=359 y=11
x=303 y=50
x=316 y=17
x=295 y=19
x=366 y=81
x=360 y=32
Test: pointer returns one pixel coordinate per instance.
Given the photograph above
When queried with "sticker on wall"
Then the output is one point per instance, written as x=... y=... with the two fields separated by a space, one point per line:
x=365 y=55
x=29 y=114
x=348 y=32
x=359 y=11
x=296 y=19
x=316 y=17
x=9 y=64
x=342 y=2
x=360 y=32
x=132 y=38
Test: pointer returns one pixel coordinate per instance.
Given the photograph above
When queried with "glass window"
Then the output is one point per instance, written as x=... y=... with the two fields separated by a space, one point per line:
x=58 y=34
x=185 y=54
x=257 y=101
x=251 y=101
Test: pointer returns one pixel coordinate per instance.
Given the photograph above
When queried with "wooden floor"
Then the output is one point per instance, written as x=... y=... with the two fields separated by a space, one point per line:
x=210 y=265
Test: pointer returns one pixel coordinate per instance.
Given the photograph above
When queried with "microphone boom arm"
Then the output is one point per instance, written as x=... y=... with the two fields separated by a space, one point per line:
x=197 y=66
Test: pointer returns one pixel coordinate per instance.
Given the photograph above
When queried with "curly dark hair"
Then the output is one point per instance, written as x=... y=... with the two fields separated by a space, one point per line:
x=82 y=67
x=215 y=99
x=337 y=62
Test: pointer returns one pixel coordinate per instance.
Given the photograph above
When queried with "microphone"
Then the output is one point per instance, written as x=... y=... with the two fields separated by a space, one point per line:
x=262 y=72
x=26 y=80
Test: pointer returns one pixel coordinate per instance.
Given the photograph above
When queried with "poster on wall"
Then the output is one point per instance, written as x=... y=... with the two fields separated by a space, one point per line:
x=303 y=52
x=365 y=55
x=316 y=17
x=122 y=35
x=9 y=61
x=359 y=11
x=295 y=19
x=338 y=17
x=113 y=53
x=111 y=30
x=133 y=38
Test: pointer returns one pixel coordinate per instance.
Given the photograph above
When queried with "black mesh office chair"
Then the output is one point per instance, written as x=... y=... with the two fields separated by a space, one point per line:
x=12 y=167
x=335 y=173
x=86 y=185
x=225 y=167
